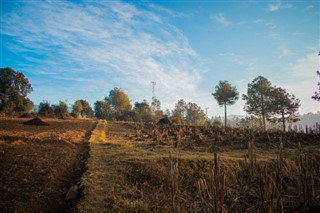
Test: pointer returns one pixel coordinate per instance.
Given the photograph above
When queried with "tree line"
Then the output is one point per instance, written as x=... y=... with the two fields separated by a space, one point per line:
x=263 y=100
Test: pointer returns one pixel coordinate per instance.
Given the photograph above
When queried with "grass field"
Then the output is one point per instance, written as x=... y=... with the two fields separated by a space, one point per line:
x=135 y=167
x=129 y=174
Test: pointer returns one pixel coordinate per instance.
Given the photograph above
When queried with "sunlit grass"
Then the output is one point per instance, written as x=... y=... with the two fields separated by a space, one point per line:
x=99 y=133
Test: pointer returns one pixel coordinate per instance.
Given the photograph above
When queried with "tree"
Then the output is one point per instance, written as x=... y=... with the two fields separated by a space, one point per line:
x=77 y=108
x=259 y=98
x=156 y=109
x=195 y=115
x=102 y=110
x=61 y=110
x=14 y=88
x=83 y=108
x=86 y=109
x=119 y=102
x=317 y=94
x=225 y=95
x=285 y=105
x=143 y=111
x=179 y=112
x=45 y=109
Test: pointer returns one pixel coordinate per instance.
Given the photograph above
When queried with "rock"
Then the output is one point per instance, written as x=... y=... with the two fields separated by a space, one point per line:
x=72 y=193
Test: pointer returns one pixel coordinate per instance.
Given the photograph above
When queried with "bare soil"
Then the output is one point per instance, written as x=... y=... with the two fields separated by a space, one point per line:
x=38 y=164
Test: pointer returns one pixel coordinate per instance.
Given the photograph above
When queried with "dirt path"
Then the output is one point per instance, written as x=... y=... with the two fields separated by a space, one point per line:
x=103 y=180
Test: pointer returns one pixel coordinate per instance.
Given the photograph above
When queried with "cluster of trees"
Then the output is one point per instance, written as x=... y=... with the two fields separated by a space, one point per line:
x=267 y=102
x=81 y=108
x=117 y=106
x=262 y=99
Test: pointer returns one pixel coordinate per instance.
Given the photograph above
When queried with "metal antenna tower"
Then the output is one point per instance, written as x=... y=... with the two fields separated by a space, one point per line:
x=206 y=111
x=153 y=89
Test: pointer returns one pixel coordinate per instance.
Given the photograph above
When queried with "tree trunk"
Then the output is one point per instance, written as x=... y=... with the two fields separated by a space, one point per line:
x=225 y=116
x=263 y=113
x=264 y=122
x=283 y=122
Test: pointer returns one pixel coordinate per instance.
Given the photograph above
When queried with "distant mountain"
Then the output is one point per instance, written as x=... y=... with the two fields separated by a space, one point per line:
x=309 y=119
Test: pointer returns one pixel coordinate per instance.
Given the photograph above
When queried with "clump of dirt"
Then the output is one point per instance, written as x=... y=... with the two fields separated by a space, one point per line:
x=36 y=122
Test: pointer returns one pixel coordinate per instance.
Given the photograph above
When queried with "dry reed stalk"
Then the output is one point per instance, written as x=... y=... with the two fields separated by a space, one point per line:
x=212 y=195
x=174 y=181
x=307 y=189
x=267 y=191
x=250 y=161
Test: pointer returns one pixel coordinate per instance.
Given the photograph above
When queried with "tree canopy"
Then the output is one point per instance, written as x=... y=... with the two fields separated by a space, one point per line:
x=225 y=94
x=285 y=106
x=82 y=108
x=14 y=88
x=259 y=98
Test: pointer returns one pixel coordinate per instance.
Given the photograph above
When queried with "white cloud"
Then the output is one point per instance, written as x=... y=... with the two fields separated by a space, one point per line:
x=278 y=5
x=221 y=19
x=284 y=52
x=110 y=43
x=301 y=80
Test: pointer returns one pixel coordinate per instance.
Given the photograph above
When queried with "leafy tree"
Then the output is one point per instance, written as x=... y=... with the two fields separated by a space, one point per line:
x=259 y=98
x=285 y=105
x=195 y=115
x=179 y=112
x=102 y=110
x=14 y=88
x=46 y=109
x=119 y=102
x=156 y=109
x=317 y=94
x=77 y=108
x=61 y=110
x=86 y=109
x=143 y=111
x=225 y=94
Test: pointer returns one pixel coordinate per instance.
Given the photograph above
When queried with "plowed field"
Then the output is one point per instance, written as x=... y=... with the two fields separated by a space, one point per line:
x=38 y=164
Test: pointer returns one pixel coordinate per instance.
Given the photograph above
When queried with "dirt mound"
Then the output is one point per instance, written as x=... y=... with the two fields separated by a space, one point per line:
x=36 y=122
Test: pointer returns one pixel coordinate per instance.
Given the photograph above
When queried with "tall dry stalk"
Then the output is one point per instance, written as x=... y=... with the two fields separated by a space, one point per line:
x=267 y=191
x=174 y=182
x=307 y=188
x=212 y=194
x=250 y=161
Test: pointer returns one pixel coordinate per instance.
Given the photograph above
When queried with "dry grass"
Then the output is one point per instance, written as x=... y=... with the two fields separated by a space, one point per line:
x=134 y=173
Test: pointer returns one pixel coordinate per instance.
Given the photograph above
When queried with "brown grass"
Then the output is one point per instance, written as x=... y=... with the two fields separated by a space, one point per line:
x=135 y=173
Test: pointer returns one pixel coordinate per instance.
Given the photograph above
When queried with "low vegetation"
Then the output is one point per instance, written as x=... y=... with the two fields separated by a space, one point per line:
x=145 y=168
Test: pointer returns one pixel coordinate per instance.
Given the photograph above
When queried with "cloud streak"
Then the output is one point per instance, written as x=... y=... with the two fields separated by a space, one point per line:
x=114 y=41
x=221 y=19
x=278 y=5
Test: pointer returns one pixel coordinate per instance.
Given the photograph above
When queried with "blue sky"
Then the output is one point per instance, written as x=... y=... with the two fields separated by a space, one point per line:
x=73 y=50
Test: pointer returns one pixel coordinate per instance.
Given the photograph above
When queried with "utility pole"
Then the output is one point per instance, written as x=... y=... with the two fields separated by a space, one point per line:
x=153 y=89
x=206 y=111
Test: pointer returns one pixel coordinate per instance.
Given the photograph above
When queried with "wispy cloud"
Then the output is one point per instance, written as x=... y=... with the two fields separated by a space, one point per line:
x=221 y=19
x=284 y=52
x=278 y=5
x=110 y=43
x=266 y=23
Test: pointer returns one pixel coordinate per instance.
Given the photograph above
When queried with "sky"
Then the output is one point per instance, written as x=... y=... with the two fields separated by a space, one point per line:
x=72 y=50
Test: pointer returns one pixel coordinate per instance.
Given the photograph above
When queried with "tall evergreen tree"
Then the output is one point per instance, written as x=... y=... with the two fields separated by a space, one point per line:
x=225 y=94
x=259 y=98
